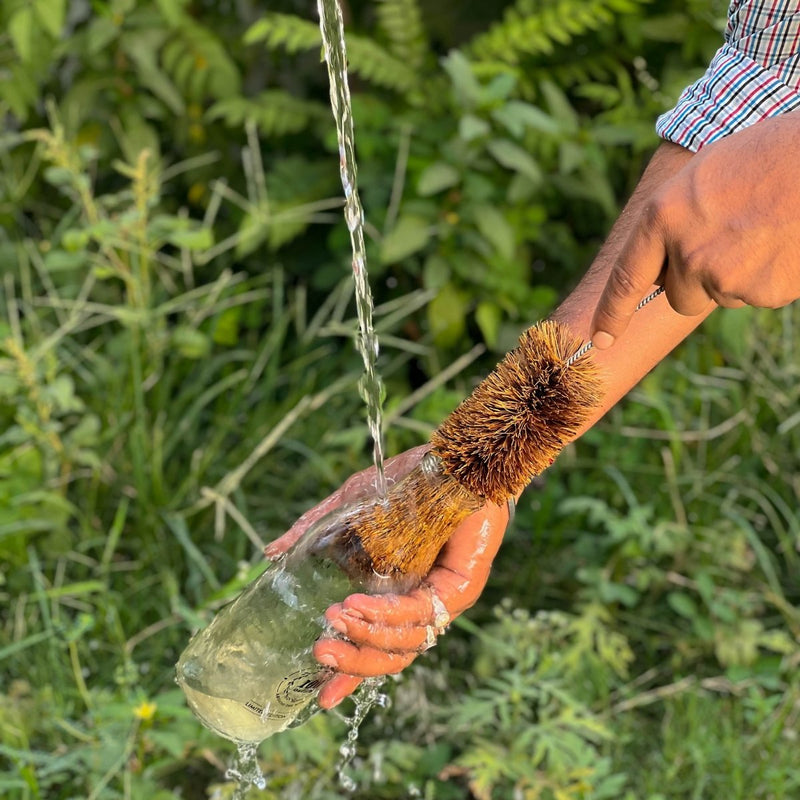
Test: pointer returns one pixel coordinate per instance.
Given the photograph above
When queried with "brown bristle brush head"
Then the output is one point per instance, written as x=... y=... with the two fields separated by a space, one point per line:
x=507 y=431
x=520 y=416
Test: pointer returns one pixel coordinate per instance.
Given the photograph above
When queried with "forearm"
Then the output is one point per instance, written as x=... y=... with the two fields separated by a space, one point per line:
x=655 y=330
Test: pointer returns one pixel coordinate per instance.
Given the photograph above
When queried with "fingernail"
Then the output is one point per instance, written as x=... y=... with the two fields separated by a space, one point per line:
x=327 y=660
x=338 y=624
x=602 y=340
x=352 y=612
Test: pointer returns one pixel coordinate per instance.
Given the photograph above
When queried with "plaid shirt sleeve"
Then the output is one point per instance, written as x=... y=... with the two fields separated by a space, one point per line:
x=755 y=74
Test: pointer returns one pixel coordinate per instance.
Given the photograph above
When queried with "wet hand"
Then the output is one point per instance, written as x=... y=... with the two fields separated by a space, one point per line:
x=385 y=633
x=355 y=488
x=724 y=230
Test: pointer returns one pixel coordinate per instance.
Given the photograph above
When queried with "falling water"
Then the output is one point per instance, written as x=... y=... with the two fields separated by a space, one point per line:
x=246 y=771
x=368 y=696
x=370 y=386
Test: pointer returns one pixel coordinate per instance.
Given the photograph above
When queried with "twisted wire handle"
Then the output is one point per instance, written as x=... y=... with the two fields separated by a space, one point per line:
x=587 y=346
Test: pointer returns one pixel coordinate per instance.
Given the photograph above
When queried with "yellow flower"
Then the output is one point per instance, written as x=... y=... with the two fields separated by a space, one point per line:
x=145 y=711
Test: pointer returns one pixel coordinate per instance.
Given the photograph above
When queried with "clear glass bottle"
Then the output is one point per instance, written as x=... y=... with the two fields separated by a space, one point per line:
x=251 y=673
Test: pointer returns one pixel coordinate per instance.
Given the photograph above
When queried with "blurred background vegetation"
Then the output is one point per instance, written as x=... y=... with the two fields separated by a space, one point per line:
x=177 y=384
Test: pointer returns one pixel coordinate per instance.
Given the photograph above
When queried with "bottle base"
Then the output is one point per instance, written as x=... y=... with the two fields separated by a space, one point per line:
x=236 y=721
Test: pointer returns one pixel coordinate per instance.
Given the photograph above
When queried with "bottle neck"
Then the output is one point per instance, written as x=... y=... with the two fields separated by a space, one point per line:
x=390 y=544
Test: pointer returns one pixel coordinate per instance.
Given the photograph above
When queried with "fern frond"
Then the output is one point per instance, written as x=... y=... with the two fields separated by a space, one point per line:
x=198 y=63
x=600 y=66
x=365 y=57
x=400 y=21
x=539 y=27
x=294 y=34
x=275 y=112
x=369 y=60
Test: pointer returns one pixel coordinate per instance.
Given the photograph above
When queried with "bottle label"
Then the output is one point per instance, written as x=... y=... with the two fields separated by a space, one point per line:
x=292 y=691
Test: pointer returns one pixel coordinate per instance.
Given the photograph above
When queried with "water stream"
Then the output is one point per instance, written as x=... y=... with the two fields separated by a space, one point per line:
x=368 y=695
x=370 y=386
x=245 y=770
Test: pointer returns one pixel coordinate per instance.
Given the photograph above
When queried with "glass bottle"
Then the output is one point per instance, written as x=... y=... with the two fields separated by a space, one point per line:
x=251 y=673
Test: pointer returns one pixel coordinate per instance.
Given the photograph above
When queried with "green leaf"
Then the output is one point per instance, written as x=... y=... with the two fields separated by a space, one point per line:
x=447 y=315
x=516 y=116
x=409 y=236
x=86 y=432
x=465 y=84
x=436 y=272
x=436 y=178
x=488 y=316
x=61 y=392
x=559 y=105
x=20 y=29
x=471 y=127
x=682 y=604
x=494 y=227
x=192 y=239
x=172 y=11
x=190 y=342
x=50 y=14
x=513 y=157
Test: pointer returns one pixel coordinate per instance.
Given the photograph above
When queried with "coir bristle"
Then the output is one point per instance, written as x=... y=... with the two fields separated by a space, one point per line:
x=520 y=416
x=391 y=545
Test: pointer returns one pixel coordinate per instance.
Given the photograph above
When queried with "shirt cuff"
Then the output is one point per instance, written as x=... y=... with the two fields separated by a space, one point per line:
x=735 y=92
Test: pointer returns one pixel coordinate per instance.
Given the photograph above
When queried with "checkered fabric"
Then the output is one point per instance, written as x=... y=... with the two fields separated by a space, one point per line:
x=754 y=75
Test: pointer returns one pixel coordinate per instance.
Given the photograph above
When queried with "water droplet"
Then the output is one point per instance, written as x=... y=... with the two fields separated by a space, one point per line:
x=245 y=770
x=347 y=750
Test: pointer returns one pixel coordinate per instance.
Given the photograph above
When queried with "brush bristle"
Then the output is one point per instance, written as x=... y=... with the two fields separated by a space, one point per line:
x=508 y=430
x=391 y=545
x=520 y=416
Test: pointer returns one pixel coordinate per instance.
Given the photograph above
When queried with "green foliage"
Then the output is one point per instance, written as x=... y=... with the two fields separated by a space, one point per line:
x=532 y=28
x=365 y=58
x=177 y=386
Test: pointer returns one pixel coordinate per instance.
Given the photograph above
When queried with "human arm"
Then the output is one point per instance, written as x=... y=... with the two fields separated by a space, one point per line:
x=726 y=227
x=385 y=633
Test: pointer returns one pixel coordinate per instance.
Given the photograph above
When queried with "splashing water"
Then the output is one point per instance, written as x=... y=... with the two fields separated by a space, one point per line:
x=246 y=771
x=370 y=386
x=368 y=696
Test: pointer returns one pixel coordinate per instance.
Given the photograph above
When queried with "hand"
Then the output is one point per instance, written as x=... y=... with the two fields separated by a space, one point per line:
x=356 y=487
x=385 y=633
x=725 y=229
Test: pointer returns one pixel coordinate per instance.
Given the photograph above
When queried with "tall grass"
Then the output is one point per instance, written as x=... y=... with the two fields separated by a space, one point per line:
x=162 y=416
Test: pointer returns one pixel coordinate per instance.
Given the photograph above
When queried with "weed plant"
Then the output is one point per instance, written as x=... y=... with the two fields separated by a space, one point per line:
x=177 y=385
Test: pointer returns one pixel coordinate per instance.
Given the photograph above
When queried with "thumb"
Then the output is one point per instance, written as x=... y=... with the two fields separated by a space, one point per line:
x=632 y=276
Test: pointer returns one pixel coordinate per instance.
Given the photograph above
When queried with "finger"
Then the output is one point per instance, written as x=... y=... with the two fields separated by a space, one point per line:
x=632 y=276
x=685 y=294
x=457 y=578
x=397 y=610
x=405 y=639
x=336 y=689
x=356 y=487
x=361 y=662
